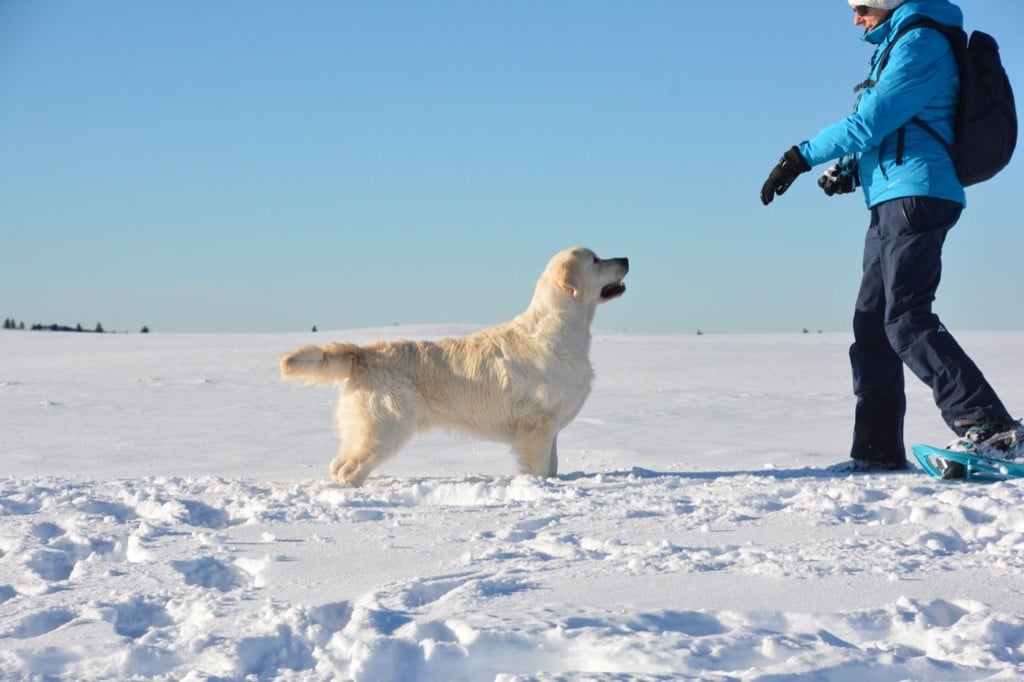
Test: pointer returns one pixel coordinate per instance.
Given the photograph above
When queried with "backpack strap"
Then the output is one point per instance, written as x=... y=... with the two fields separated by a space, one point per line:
x=883 y=58
x=947 y=31
x=953 y=36
x=948 y=146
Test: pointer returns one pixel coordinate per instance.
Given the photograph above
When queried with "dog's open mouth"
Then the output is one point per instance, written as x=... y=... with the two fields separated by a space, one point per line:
x=613 y=290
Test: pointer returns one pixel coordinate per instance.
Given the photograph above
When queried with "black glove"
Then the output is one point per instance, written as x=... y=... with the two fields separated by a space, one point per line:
x=782 y=176
x=840 y=178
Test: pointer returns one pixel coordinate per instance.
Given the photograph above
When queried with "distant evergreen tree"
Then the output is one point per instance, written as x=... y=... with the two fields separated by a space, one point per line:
x=314 y=328
x=22 y=325
x=78 y=327
x=99 y=328
x=145 y=330
x=7 y=323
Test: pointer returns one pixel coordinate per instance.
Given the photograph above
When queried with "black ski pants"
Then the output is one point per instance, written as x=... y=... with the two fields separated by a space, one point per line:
x=893 y=325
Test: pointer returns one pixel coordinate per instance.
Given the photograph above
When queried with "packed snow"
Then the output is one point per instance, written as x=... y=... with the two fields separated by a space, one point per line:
x=165 y=513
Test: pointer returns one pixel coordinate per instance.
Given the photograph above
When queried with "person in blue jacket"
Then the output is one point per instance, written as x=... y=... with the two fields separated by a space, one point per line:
x=911 y=189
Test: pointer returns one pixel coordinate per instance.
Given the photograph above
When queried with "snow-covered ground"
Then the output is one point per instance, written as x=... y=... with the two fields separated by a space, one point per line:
x=165 y=513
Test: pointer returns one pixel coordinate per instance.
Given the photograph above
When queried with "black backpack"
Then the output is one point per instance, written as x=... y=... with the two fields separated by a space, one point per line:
x=985 y=132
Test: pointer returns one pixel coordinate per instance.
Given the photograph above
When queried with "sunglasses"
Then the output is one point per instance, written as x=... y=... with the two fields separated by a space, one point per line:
x=861 y=10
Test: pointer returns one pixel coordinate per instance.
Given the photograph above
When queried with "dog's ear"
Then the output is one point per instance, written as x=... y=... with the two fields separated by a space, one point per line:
x=570 y=277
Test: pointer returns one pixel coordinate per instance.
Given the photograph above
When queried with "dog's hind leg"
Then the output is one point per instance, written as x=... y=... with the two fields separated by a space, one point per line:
x=367 y=443
x=352 y=465
x=534 y=445
x=355 y=463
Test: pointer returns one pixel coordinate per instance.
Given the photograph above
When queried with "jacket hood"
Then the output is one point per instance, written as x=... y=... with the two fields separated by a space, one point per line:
x=942 y=11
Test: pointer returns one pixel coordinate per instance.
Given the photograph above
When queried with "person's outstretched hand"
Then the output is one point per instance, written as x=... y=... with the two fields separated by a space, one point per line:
x=782 y=176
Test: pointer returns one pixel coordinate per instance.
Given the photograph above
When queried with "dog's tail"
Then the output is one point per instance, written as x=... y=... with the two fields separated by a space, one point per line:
x=321 y=365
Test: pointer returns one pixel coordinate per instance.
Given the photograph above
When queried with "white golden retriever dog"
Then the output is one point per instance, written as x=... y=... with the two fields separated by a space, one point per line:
x=520 y=382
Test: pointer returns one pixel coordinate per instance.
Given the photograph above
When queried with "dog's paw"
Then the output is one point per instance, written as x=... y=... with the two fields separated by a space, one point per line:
x=346 y=471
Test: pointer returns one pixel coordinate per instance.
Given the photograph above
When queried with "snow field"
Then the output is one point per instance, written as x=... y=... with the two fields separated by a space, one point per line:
x=182 y=527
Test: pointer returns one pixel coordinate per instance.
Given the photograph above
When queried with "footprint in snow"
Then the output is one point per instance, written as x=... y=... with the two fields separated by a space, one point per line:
x=211 y=574
x=332 y=617
x=202 y=515
x=136 y=617
x=691 y=623
x=422 y=592
x=16 y=508
x=121 y=513
x=40 y=623
x=47 y=531
x=53 y=565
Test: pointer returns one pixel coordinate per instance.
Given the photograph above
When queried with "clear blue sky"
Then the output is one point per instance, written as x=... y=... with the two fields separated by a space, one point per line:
x=268 y=166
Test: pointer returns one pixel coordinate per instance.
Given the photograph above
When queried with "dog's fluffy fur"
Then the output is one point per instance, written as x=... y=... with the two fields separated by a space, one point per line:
x=520 y=382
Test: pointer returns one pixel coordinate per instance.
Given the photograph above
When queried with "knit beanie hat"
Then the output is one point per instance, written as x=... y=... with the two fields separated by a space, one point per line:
x=878 y=4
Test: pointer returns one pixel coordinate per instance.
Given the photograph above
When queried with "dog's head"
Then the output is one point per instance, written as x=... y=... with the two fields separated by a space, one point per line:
x=583 y=277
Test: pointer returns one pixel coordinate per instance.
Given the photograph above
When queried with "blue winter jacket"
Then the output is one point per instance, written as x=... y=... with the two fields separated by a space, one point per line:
x=920 y=79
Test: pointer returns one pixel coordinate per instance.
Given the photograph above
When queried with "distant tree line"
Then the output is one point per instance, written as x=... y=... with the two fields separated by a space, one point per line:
x=9 y=323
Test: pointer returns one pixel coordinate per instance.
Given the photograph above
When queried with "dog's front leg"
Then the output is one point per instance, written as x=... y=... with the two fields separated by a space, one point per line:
x=553 y=458
x=534 y=445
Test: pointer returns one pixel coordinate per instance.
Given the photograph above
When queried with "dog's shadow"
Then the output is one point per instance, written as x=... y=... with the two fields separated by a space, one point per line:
x=777 y=474
x=640 y=474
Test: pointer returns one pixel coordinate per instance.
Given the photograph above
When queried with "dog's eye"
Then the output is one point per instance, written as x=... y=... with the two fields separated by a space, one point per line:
x=596 y=260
